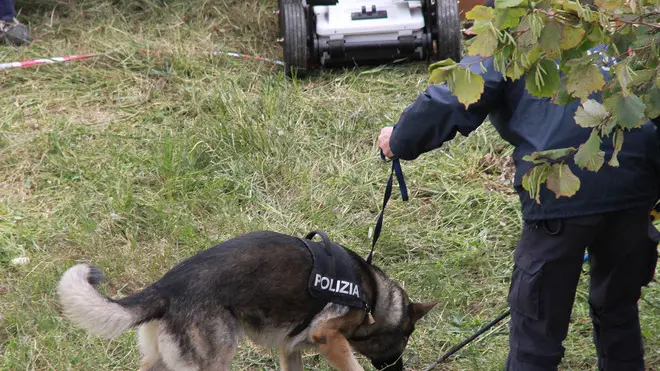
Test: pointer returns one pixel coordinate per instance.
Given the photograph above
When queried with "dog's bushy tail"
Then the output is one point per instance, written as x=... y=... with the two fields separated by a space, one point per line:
x=85 y=306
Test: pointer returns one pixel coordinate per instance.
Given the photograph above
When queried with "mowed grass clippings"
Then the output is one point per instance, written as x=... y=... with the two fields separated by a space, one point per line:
x=156 y=150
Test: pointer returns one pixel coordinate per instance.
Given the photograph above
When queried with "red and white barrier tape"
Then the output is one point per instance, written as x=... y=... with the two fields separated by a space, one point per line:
x=45 y=61
x=35 y=62
x=237 y=55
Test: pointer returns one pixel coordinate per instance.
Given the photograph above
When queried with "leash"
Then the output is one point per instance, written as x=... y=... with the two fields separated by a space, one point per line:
x=477 y=334
x=396 y=170
x=469 y=340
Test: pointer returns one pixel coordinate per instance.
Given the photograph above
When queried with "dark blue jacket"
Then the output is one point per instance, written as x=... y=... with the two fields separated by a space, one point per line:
x=533 y=124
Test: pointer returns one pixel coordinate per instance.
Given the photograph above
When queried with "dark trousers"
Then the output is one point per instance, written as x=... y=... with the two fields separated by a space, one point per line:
x=7 y=11
x=548 y=261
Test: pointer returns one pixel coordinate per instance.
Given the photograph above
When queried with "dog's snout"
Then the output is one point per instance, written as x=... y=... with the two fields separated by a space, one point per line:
x=392 y=365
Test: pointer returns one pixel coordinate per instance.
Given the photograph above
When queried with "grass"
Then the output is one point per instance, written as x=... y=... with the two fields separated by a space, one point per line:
x=135 y=161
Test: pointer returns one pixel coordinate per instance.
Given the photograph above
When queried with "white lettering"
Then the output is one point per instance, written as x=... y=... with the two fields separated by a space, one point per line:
x=339 y=286
x=317 y=279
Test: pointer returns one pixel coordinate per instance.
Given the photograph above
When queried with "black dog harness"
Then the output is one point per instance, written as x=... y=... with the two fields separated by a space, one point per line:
x=333 y=278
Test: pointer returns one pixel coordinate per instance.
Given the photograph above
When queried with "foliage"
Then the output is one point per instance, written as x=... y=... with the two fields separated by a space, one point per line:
x=565 y=51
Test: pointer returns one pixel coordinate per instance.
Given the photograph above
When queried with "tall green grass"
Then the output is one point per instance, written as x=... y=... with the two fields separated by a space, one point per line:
x=134 y=161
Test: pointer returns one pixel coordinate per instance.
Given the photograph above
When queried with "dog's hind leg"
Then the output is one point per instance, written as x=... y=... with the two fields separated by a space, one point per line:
x=148 y=342
x=290 y=361
x=336 y=349
x=214 y=339
x=157 y=365
x=205 y=341
x=173 y=356
x=222 y=348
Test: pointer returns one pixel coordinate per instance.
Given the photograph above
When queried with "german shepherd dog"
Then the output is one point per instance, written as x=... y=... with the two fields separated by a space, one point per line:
x=254 y=286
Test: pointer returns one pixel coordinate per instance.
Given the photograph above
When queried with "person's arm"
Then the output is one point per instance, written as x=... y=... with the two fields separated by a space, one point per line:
x=436 y=115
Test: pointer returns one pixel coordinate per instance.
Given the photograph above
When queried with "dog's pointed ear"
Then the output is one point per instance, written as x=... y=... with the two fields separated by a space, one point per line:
x=419 y=310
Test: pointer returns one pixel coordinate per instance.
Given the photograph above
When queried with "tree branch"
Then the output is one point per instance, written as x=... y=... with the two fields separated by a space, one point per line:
x=642 y=23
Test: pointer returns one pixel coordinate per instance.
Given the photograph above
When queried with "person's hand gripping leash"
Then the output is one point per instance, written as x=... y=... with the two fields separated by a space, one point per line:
x=384 y=141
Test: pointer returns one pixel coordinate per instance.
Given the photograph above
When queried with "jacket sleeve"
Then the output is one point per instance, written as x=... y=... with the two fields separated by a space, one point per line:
x=436 y=115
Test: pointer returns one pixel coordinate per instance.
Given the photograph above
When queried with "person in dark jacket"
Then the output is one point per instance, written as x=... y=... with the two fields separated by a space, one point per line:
x=608 y=217
x=12 y=32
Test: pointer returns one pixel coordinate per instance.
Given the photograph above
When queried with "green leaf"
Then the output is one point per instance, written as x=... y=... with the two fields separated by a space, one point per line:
x=576 y=53
x=443 y=63
x=501 y=59
x=591 y=114
x=484 y=44
x=584 y=80
x=508 y=18
x=532 y=56
x=520 y=62
x=610 y=5
x=610 y=90
x=542 y=80
x=440 y=71
x=571 y=6
x=533 y=179
x=652 y=101
x=597 y=36
x=537 y=22
x=481 y=26
x=622 y=41
x=562 y=181
x=628 y=110
x=571 y=37
x=480 y=13
x=507 y=3
x=466 y=85
x=440 y=75
x=526 y=39
x=549 y=40
x=617 y=139
x=534 y=159
x=644 y=34
x=551 y=154
x=562 y=97
x=556 y=154
x=589 y=154
x=607 y=128
x=640 y=77
x=514 y=70
x=623 y=76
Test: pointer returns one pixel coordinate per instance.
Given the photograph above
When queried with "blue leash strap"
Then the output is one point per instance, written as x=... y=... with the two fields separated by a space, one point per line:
x=396 y=170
